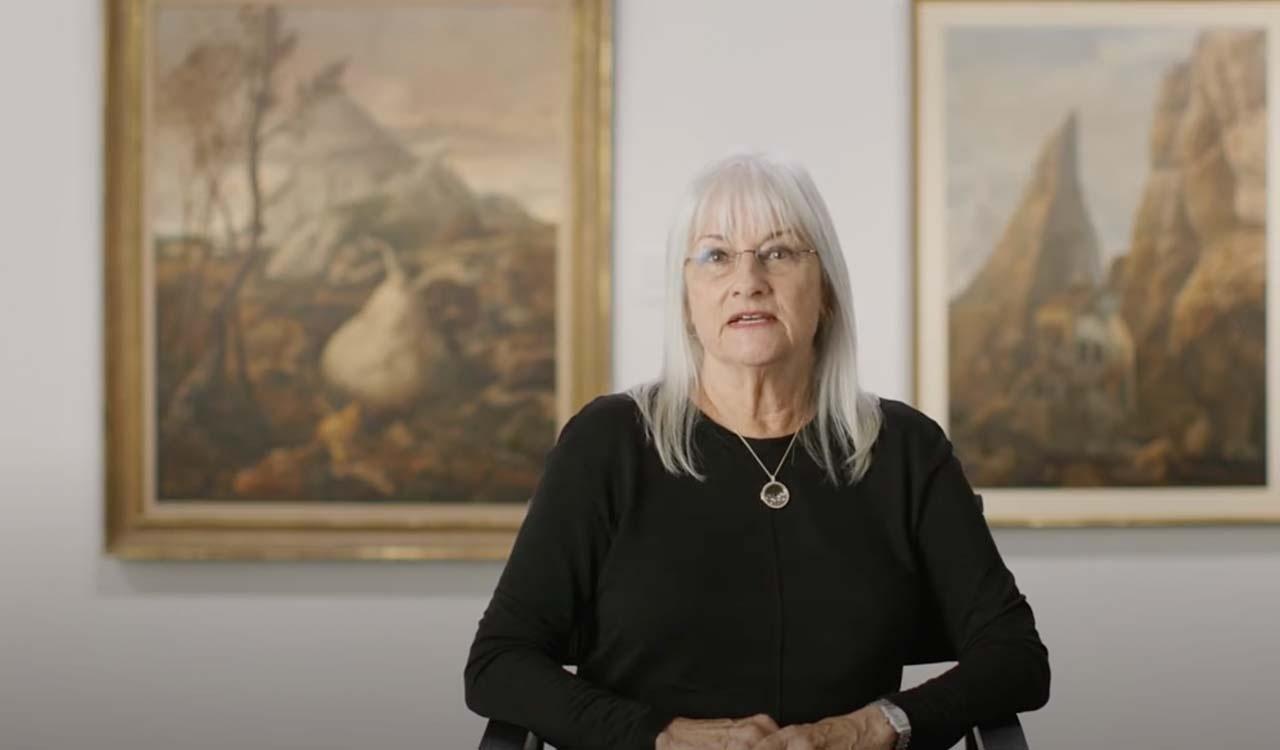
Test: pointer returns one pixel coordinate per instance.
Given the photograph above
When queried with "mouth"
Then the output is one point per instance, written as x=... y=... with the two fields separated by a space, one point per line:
x=751 y=320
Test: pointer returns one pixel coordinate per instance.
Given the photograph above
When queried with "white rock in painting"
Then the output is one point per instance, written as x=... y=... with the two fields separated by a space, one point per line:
x=385 y=354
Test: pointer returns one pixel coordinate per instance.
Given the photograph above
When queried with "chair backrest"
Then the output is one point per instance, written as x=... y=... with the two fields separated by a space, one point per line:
x=930 y=643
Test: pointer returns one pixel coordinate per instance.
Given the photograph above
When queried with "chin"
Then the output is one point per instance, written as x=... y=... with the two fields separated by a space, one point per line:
x=756 y=358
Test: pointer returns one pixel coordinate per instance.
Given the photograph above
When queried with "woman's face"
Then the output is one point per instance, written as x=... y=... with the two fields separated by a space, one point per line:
x=753 y=310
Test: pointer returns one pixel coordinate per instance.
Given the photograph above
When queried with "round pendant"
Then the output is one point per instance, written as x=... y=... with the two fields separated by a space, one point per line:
x=775 y=495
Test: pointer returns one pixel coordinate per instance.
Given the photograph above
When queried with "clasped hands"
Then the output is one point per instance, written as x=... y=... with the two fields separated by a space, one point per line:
x=864 y=729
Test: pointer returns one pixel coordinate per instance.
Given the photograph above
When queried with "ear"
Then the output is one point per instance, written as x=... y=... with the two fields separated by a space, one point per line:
x=825 y=313
x=828 y=304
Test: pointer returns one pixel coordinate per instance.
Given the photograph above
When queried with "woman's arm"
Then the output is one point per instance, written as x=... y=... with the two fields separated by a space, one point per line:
x=1003 y=668
x=514 y=671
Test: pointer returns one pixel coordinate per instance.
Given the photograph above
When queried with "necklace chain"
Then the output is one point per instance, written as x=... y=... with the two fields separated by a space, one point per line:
x=772 y=475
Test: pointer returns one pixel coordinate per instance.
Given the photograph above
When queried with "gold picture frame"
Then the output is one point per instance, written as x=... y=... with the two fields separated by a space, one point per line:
x=1086 y=379
x=141 y=525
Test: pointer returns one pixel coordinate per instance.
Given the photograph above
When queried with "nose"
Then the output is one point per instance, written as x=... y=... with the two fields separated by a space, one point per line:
x=748 y=278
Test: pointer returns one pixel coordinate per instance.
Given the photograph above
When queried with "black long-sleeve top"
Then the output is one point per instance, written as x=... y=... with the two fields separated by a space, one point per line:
x=680 y=597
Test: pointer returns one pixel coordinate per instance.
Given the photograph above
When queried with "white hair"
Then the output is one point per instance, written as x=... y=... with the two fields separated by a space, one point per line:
x=762 y=192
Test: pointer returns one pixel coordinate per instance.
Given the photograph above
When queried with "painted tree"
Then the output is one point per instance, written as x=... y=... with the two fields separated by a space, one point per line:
x=195 y=100
x=264 y=47
x=217 y=388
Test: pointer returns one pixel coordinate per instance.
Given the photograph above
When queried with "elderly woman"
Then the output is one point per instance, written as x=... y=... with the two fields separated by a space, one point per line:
x=735 y=555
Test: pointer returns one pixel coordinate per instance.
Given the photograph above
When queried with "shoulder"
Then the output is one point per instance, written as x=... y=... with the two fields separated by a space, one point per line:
x=900 y=417
x=610 y=413
x=597 y=449
x=603 y=424
x=910 y=431
x=913 y=455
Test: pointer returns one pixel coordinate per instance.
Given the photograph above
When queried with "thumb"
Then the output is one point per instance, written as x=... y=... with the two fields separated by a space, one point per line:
x=765 y=722
x=775 y=741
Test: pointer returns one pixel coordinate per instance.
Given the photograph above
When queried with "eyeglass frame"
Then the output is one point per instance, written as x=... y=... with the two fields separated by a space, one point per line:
x=756 y=252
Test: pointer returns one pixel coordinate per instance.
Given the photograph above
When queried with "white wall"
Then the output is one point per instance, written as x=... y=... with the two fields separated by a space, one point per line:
x=1159 y=638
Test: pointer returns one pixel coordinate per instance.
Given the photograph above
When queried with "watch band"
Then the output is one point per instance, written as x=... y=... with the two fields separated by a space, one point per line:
x=898 y=720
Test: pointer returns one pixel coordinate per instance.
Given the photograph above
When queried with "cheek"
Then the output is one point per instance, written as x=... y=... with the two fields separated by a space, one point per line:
x=702 y=310
x=805 y=305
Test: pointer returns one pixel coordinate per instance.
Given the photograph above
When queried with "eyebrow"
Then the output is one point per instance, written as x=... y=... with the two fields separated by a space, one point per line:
x=772 y=235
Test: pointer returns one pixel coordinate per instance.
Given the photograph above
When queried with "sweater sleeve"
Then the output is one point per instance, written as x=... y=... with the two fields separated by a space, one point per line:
x=514 y=672
x=1002 y=666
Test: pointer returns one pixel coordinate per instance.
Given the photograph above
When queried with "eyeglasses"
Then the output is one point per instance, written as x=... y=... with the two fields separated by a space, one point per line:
x=777 y=259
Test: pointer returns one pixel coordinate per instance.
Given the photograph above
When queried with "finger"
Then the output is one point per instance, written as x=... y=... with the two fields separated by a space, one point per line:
x=742 y=743
x=777 y=740
x=765 y=722
x=748 y=734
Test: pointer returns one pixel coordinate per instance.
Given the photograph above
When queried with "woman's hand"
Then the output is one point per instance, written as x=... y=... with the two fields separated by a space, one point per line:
x=864 y=729
x=716 y=734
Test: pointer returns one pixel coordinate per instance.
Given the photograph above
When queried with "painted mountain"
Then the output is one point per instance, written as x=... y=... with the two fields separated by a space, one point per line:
x=341 y=315
x=1143 y=365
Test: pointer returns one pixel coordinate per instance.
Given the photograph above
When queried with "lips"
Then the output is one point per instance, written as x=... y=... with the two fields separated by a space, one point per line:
x=751 y=317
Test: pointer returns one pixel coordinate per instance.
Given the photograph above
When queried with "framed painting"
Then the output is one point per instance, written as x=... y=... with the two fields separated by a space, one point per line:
x=357 y=270
x=1096 y=256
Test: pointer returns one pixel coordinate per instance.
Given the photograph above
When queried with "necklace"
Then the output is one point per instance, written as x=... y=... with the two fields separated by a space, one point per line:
x=774 y=493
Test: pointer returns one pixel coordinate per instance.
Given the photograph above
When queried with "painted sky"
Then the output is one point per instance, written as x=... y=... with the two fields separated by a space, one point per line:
x=1009 y=88
x=489 y=84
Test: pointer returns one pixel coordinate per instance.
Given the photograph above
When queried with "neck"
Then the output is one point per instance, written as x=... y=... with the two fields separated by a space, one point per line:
x=757 y=402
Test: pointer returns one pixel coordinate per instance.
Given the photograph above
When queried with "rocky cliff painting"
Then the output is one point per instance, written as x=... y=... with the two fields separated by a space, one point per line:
x=353 y=229
x=1114 y=335
x=1104 y=210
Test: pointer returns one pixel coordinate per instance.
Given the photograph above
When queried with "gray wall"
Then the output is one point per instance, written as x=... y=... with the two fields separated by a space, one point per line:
x=1160 y=638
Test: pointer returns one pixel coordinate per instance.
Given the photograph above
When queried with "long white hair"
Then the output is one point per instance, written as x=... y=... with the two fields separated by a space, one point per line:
x=758 y=191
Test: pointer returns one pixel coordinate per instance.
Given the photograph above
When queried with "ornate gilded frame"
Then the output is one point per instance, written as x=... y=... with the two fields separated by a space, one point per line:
x=1099 y=506
x=136 y=529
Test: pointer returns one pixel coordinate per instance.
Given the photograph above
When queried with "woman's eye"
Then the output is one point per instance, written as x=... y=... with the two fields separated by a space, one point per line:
x=713 y=256
x=778 y=252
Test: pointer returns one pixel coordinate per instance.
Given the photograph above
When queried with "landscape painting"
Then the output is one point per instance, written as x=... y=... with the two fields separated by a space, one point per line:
x=1100 y=270
x=360 y=226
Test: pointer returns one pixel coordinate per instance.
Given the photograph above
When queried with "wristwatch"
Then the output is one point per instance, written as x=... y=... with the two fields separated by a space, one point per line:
x=898 y=720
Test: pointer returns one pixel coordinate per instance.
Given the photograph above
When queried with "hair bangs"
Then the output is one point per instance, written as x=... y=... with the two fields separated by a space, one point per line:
x=746 y=199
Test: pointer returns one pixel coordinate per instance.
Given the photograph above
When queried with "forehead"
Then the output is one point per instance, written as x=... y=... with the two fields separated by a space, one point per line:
x=743 y=211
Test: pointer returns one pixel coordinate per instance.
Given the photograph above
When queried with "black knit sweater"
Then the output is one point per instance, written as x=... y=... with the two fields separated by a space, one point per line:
x=679 y=597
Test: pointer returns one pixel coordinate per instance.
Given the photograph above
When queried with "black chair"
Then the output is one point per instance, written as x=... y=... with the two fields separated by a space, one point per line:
x=1002 y=735
x=930 y=645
